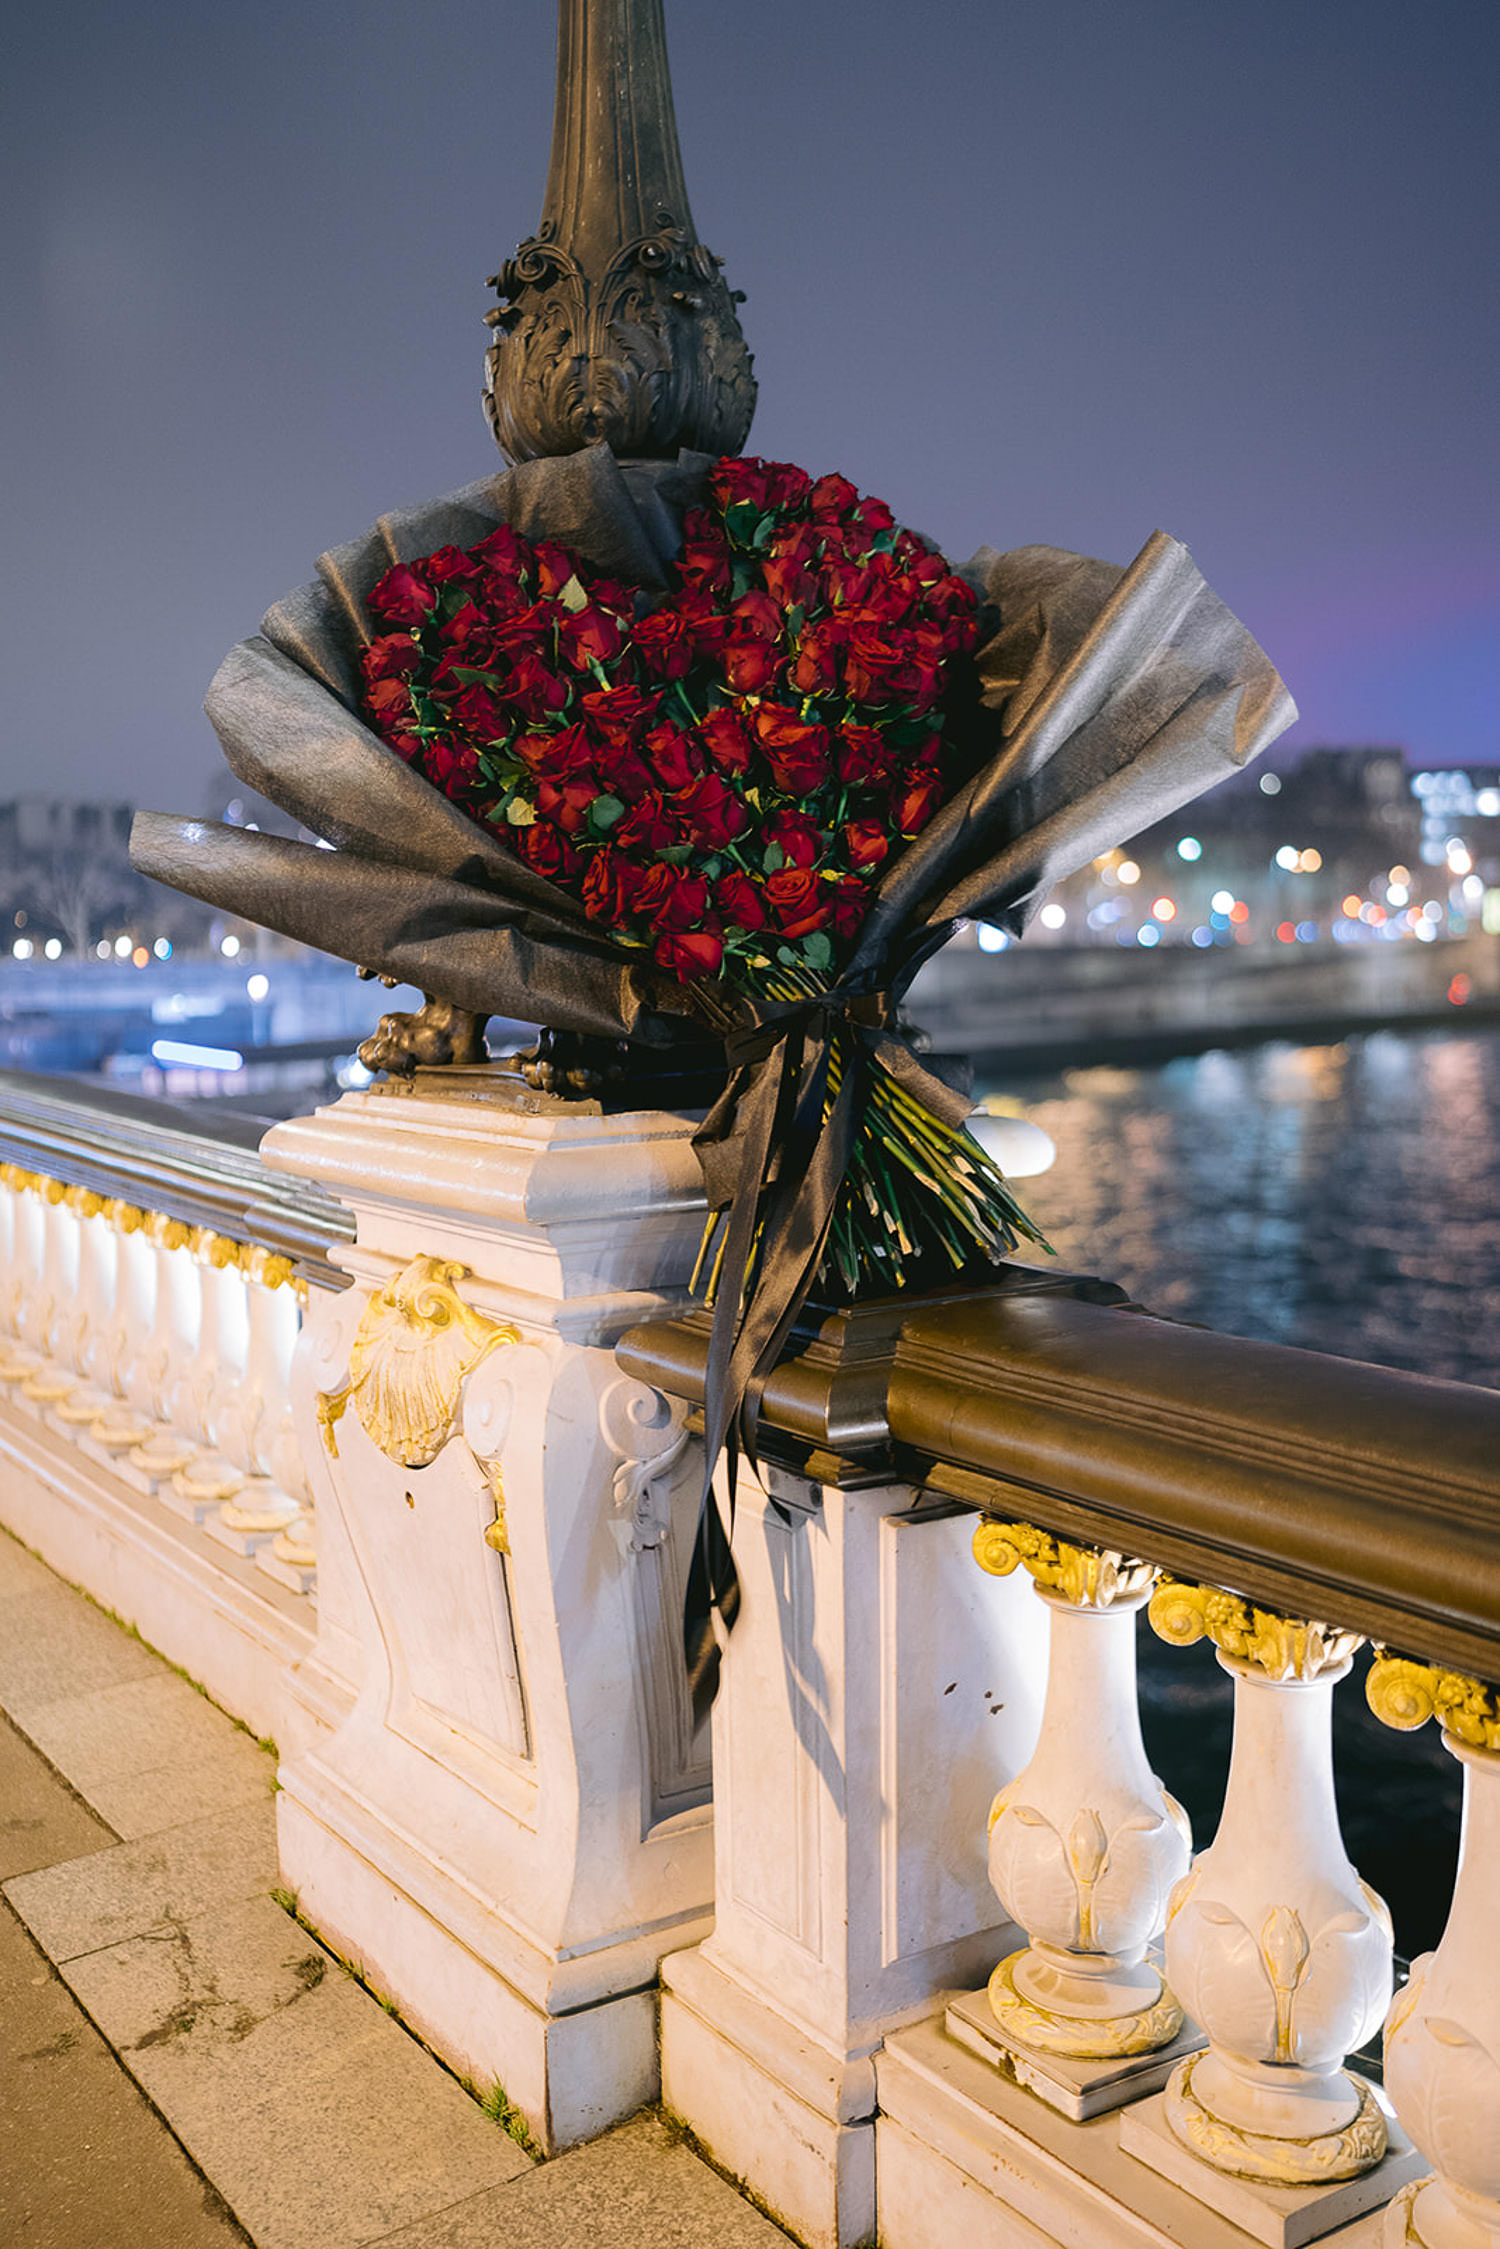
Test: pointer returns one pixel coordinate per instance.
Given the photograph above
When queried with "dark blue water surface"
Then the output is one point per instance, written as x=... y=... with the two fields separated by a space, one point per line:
x=1340 y=1198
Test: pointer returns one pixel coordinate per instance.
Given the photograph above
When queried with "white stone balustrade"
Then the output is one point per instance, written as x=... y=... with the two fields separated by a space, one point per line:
x=1084 y=1847
x=494 y=1803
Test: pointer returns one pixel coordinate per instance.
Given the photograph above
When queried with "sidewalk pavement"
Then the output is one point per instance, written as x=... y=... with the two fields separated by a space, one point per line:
x=182 y=2064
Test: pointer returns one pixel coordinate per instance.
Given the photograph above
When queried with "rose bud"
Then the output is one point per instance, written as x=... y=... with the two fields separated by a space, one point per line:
x=556 y=756
x=692 y=954
x=553 y=567
x=751 y=666
x=866 y=843
x=913 y=806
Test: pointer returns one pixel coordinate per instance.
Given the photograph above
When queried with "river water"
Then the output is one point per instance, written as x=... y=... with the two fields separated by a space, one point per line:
x=1342 y=1198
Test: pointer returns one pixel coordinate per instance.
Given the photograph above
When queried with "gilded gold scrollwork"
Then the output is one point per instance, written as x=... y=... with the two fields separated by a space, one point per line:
x=1087 y=1577
x=267 y=1267
x=416 y=1343
x=1404 y=1695
x=1281 y=1647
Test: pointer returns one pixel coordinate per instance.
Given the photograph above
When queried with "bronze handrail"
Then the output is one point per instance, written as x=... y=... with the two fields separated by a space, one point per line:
x=202 y=1167
x=1325 y=1488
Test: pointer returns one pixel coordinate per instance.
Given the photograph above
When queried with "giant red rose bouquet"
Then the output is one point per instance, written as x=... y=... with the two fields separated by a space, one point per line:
x=721 y=776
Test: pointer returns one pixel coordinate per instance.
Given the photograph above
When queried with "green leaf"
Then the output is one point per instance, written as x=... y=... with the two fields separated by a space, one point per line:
x=741 y=576
x=773 y=858
x=787 y=957
x=520 y=814
x=676 y=854
x=604 y=812
x=573 y=595
x=817 y=950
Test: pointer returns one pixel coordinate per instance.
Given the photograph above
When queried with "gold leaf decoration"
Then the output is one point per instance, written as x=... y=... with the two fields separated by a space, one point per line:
x=416 y=1344
x=1281 y=1647
x=1404 y=1695
x=1085 y=1576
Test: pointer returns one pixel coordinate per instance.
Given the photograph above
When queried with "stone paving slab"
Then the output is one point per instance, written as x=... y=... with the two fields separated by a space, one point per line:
x=640 y=2185
x=89 y=1903
x=141 y=1725
x=53 y=1644
x=41 y=1821
x=83 y=2155
x=316 y=2115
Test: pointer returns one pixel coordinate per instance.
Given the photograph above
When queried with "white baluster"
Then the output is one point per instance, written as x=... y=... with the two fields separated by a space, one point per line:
x=1442 y=2037
x=1085 y=1845
x=127 y=1419
x=98 y=1282
x=215 y=1372
x=55 y=1375
x=22 y=1355
x=167 y=1371
x=1274 y=1944
x=261 y=1508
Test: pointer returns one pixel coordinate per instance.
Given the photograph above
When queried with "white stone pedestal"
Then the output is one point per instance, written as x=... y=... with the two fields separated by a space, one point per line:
x=495 y=1806
x=876 y=1693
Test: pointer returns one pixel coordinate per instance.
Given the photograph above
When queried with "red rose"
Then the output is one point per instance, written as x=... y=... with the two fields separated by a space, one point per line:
x=452 y=765
x=665 y=640
x=863 y=753
x=913 y=806
x=801 y=842
x=546 y=852
x=555 y=757
x=589 y=636
x=739 y=901
x=483 y=715
x=450 y=563
x=704 y=565
x=675 y=756
x=832 y=496
x=505 y=551
x=534 y=689
x=866 y=843
x=693 y=954
x=672 y=900
x=621 y=714
x=851 y=902
x=815 y=670
x=403 y=596
x=394 y=656
x=566 y=803
x=712 y=812
x=388 y=704
x=624 y=772
x=751 y=666
x=798 y=900
x=553 y=566
x=796 y=751
x=648 y=828
x=740 y=483
x=611 y=884
x=726 y=741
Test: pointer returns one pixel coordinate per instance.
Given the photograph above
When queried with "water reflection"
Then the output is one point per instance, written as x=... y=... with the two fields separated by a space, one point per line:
x=1344 y=1198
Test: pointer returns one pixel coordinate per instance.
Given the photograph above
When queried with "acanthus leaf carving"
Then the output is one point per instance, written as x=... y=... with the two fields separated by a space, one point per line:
x=416 y=1343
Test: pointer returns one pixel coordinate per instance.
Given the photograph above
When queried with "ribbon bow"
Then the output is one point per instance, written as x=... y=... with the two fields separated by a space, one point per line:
x=774 y=1150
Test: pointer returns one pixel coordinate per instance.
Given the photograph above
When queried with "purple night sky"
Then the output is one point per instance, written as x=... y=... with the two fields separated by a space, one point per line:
x=1062 y=272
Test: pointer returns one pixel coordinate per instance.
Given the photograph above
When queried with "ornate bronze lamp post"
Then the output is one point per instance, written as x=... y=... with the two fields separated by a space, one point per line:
x=614 y=321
